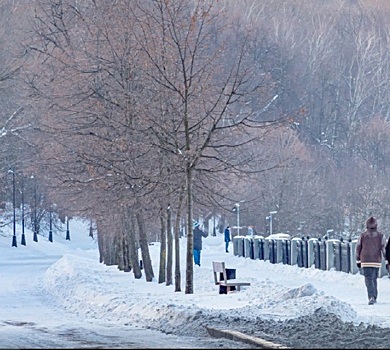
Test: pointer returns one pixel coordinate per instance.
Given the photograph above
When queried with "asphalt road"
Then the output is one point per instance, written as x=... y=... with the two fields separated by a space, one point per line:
x=29 y=318
x=33 y=336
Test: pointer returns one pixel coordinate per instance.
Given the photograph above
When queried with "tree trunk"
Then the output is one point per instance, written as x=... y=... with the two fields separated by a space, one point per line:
x=126 y=249
x=177 y=243
x=143 y=242
x=107 y=245
x=119 y=248
x=100 y=243
x=163 y=249
x=190 y=243
x=170 y=246
x=133 y=248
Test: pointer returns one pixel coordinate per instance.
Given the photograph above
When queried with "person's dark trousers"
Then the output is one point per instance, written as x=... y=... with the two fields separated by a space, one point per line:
x=197 y=257
x=227 y=246
x=370 y=279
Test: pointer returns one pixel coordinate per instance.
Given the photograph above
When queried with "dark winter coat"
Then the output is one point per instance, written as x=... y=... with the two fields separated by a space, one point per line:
x=371 y=246
x=227 y=234
x=198 y=234
x=387 y=253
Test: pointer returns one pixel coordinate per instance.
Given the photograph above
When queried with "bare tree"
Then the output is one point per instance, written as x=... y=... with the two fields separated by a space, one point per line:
x=203 y=77
x=163 y=248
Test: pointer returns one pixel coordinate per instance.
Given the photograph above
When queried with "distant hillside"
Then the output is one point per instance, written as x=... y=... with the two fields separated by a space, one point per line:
x=374 y=3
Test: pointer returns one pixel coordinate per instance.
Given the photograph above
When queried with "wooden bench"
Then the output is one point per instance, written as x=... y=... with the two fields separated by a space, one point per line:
x=226 y=278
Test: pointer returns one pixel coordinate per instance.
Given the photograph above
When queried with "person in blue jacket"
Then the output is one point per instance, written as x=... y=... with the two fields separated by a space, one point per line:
x=227 y=238
x=198 y=234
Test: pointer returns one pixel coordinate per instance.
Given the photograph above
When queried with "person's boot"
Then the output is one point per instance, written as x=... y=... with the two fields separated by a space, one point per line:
x=371 y=301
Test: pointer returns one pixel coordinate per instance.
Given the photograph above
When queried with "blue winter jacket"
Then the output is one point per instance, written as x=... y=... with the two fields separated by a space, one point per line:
x=198 y=234
x=227 y=235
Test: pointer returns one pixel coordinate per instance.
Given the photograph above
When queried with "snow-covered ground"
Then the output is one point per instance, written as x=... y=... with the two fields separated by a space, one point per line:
x=279 y=299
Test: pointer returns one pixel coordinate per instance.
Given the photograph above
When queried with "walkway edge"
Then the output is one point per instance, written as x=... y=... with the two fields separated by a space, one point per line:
x=248 y=339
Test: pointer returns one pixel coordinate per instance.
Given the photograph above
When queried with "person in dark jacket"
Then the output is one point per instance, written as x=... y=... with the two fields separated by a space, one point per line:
x=198 y=234
x=227 y=238
x=387 y=256
x=370 y=248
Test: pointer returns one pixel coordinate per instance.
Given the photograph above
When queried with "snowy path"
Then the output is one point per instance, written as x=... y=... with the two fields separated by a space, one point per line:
x=29 y=319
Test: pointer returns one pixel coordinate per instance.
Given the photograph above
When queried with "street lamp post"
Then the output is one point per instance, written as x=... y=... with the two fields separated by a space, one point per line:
x=23 y=241
x=14 y=244
x=327 y=233
x=238 y=219
x=270 y=220
x=236 y=208
x=35 y=211
x=51 y=225
x=67 y=229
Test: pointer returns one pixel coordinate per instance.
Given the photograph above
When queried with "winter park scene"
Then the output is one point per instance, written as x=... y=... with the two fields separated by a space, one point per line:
x=56 y=294
x=194 y=174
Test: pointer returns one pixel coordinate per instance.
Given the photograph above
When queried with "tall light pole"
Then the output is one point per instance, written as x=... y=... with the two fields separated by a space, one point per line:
x=23 y=241
x=238 y=218
x=14 y=244
x=51 y=225
x=270 y=220
x=327 y=233
x=67 y=229
x=236 y=209
x=35 y=210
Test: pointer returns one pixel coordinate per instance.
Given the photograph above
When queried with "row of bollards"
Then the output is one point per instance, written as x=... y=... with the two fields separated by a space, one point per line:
x=327 y=254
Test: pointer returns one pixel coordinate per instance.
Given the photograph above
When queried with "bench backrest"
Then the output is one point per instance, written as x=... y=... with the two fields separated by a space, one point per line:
x=218 y=268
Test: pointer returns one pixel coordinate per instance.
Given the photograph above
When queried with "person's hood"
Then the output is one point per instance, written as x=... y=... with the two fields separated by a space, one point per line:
x=371 y=223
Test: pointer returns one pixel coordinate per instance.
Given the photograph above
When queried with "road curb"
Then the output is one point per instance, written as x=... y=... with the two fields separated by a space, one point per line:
x=248 y=339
